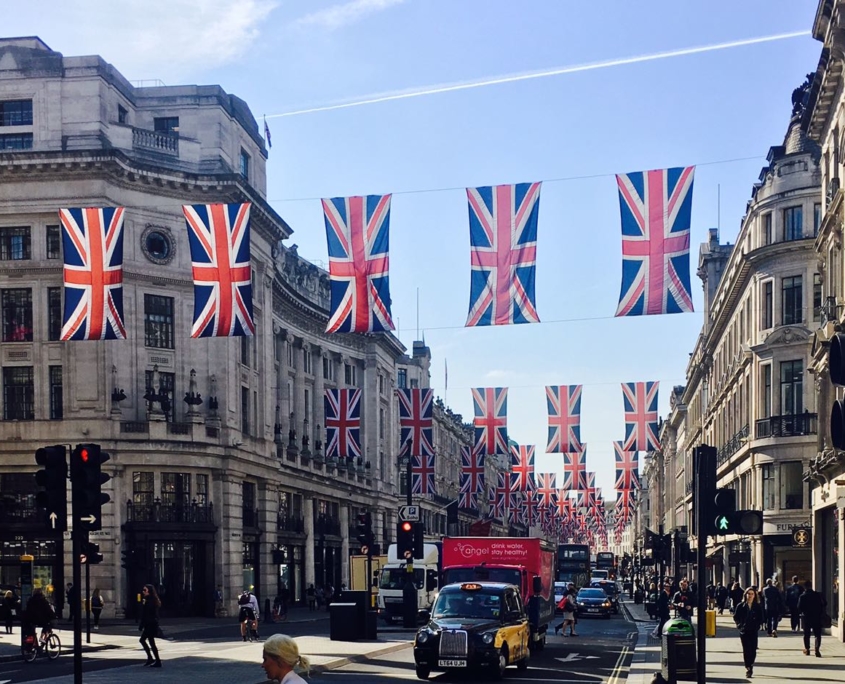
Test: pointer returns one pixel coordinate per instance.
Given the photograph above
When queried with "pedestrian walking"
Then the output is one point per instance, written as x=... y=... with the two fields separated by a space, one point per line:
x=7 y=610
x=748 y=617
x=811 y=605
x=282 y=659
x=311 y=595
x=683 y=600
x=651 y=601
x=150 y=603
x=96 y=608
x=711 y=596
x=736 y=594
x=72 y=596
x=773 y=603
x=664 y=602
x=793 y=593
x=721 y=597
x=567 y=605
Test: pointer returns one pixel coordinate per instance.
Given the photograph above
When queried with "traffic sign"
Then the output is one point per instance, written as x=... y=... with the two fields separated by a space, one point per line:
x=409 y=513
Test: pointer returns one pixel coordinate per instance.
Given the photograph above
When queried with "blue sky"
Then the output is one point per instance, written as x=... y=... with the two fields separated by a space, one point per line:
x=284 y=57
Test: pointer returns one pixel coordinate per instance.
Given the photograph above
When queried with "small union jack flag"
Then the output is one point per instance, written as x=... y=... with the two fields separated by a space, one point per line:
x=415 y=419
x=358 y=234
x=563 y=505
x=467 y=495
x=528 y=508
x=545 y=486
x=522 y=468
x=640 y=416
x=627 y=463
x=422 y=474
x=503 y=244
x=472 y=466
x=564 y=402
x=343 y=423
x=491 y=420
x=93 y=274
x=218 y=235
x=575 y=470
x=507 y=500
x=656 y=207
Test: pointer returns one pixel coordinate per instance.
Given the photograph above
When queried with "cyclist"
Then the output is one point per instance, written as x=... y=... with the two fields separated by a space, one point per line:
x=39 y=613
x=248 y=613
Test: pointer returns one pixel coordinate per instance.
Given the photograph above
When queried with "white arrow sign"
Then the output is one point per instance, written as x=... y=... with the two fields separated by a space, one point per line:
x=53 y=517
x=572 y=657
x=89 y=519
x=409 y=513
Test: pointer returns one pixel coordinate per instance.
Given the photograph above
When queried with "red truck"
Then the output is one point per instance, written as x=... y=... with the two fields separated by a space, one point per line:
x=527 y=562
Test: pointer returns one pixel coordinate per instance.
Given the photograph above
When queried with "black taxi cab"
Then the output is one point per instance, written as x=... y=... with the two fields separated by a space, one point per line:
x=474 y=625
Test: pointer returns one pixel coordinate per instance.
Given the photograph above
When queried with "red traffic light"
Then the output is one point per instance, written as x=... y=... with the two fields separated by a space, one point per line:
x=407 y=526
x=83 y=454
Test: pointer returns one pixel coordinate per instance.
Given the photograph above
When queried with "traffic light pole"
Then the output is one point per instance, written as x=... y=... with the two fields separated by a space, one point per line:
x=87 y=600
x=705 y=484
x=76 y=543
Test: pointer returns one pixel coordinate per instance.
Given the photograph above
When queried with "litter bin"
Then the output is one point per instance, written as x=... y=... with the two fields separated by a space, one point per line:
x=371 y=625
x=344 y=622
x=710 y=623
x=678 y=652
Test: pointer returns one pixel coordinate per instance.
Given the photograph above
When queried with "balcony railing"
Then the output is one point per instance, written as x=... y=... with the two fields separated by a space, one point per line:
x=327 y=525
x=158 y=512
x=788 y=426
x=733 y=445
x=155 y=140
x=290 y=523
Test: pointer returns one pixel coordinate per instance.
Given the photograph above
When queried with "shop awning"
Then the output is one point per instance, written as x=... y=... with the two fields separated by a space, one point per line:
x=715 y=550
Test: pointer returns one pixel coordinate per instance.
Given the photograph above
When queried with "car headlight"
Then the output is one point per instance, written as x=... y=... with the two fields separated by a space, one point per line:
x=488 y=638
x=423 y=636
x=606 y=604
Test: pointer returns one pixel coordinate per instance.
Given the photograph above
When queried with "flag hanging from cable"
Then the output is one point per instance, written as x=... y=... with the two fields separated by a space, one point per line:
x=267 y=134
x=640 y=399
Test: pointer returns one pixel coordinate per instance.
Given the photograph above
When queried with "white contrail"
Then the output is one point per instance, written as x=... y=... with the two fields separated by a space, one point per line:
x=497 y=80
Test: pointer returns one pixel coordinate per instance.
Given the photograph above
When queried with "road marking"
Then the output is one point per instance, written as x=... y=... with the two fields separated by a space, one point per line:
x=570 y=657
x=614 y=675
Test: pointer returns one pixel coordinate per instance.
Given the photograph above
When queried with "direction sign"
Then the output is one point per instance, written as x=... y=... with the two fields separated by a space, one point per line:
x=409 y=513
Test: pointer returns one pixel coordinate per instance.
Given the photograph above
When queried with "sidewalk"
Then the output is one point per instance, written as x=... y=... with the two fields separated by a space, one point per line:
x=778 y=660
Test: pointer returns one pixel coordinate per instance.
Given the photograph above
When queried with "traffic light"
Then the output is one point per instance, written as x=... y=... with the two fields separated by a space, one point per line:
x=126 y=558
x=722 y=513
x=364 y=529
x=87 y=479
x=90 y=554
x=405 y=539
x=419 y=539
x=52 y=480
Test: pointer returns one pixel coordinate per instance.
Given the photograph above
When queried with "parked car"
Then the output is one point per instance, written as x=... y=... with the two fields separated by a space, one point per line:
x=611 y=589
x=593 y=601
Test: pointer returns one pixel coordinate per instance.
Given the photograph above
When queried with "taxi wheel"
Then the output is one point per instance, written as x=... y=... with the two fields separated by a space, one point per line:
x=501 y=665
x=423 y=672
x=522 y=665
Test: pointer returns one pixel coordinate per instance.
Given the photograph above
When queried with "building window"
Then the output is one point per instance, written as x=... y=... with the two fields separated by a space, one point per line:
x=793 y=223
x=381 y=423
x=415 y=383
x=176 y=489
x=202 y=490
x=306 y=361
x=249 y=505
x=167 y=383
x=402 y=378
x=244 y=165
x=817 y=297
x=245 y=410
x=54 y=313
x=15 y=244
x=791 y=293
x=56 y=395
x=817 y=218
x=16 y=113
x=768 y=306
x=16 y=141
x=768 y=471
x=245 y=350
x=349 y=374
x=791 y=387
x=54 y=242
x=18 y=393
x=381 y=384
x=767 y=229
x=121 y=114
x=17 y=315
x=143 y=488
x=766 y=408
x=792 y=485
x=290 y=354
x=328 y=369
x=158 y=321
x=166 y=124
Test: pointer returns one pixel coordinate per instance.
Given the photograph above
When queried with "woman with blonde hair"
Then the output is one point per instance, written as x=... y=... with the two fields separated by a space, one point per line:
x=281 y=657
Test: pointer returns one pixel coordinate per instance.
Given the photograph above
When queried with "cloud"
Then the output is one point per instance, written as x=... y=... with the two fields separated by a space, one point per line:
x=337 y=16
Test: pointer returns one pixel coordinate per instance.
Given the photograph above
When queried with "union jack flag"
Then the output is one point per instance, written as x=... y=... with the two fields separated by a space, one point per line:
x=575 y=470
x=472 y=466
x=358 y=234
x=491 y=420
x=503 y=244
x=343 y=423
x=422 y=474
x=506 y=499
x=545 y=486
x=627 y=463
x=564 y=402
x=93 y=273
x=563 y=505
x=218 y=235
x=415 y=419
x=656 y=207
x=640 y=416
x=467 y=495
x=522 y=468
x=528 y=508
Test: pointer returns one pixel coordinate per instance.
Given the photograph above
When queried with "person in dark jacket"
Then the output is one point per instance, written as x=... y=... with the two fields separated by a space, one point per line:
x=793 y=593
x=811 y=606
x=773 y=603
x=748 y=617
x=683 y=600
x=722 y=594
x=39 y=613
x=150 y=603
x=7 y=610
x=664 y=602
x=736 y=595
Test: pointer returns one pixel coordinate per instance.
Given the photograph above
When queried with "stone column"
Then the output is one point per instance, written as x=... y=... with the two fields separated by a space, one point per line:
x=344 y=548
x=268 y=512
x=308 y=514
x=228 y=512
x=318 y=420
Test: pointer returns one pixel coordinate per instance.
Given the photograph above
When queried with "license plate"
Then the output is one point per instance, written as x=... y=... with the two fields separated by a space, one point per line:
x=592 y=610
x=451 y=663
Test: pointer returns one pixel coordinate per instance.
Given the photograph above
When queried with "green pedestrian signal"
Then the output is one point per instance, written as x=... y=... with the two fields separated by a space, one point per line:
x=723 y=523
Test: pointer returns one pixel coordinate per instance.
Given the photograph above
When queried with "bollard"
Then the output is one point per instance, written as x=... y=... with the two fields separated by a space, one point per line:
x=268 y=616
x=710 y=623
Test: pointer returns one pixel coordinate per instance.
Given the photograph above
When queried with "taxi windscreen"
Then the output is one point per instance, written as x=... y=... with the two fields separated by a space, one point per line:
x=478 y=604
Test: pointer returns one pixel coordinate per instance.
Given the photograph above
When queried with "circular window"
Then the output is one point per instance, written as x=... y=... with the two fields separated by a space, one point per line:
x=157 y=243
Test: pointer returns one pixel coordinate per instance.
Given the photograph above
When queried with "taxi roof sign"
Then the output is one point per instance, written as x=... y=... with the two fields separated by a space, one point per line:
x=470 y=586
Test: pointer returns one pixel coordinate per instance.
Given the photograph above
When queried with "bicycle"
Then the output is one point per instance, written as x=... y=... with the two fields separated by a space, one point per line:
x=48 y=643
x=250 y=630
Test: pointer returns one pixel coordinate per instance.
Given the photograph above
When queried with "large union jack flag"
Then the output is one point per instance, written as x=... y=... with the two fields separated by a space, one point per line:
x=627 y=463
x=490 y=405
x=93 y=273
x=503 y=245
x=564 y=402
x=522 y=467
x=575 y=470
x=343 y=423
x=422 y=474
x=358 y=234
x=545 y=487
x=656 y=207
x=640 y=400
x=472 y=466
x=415 y=419
x=218 y=235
